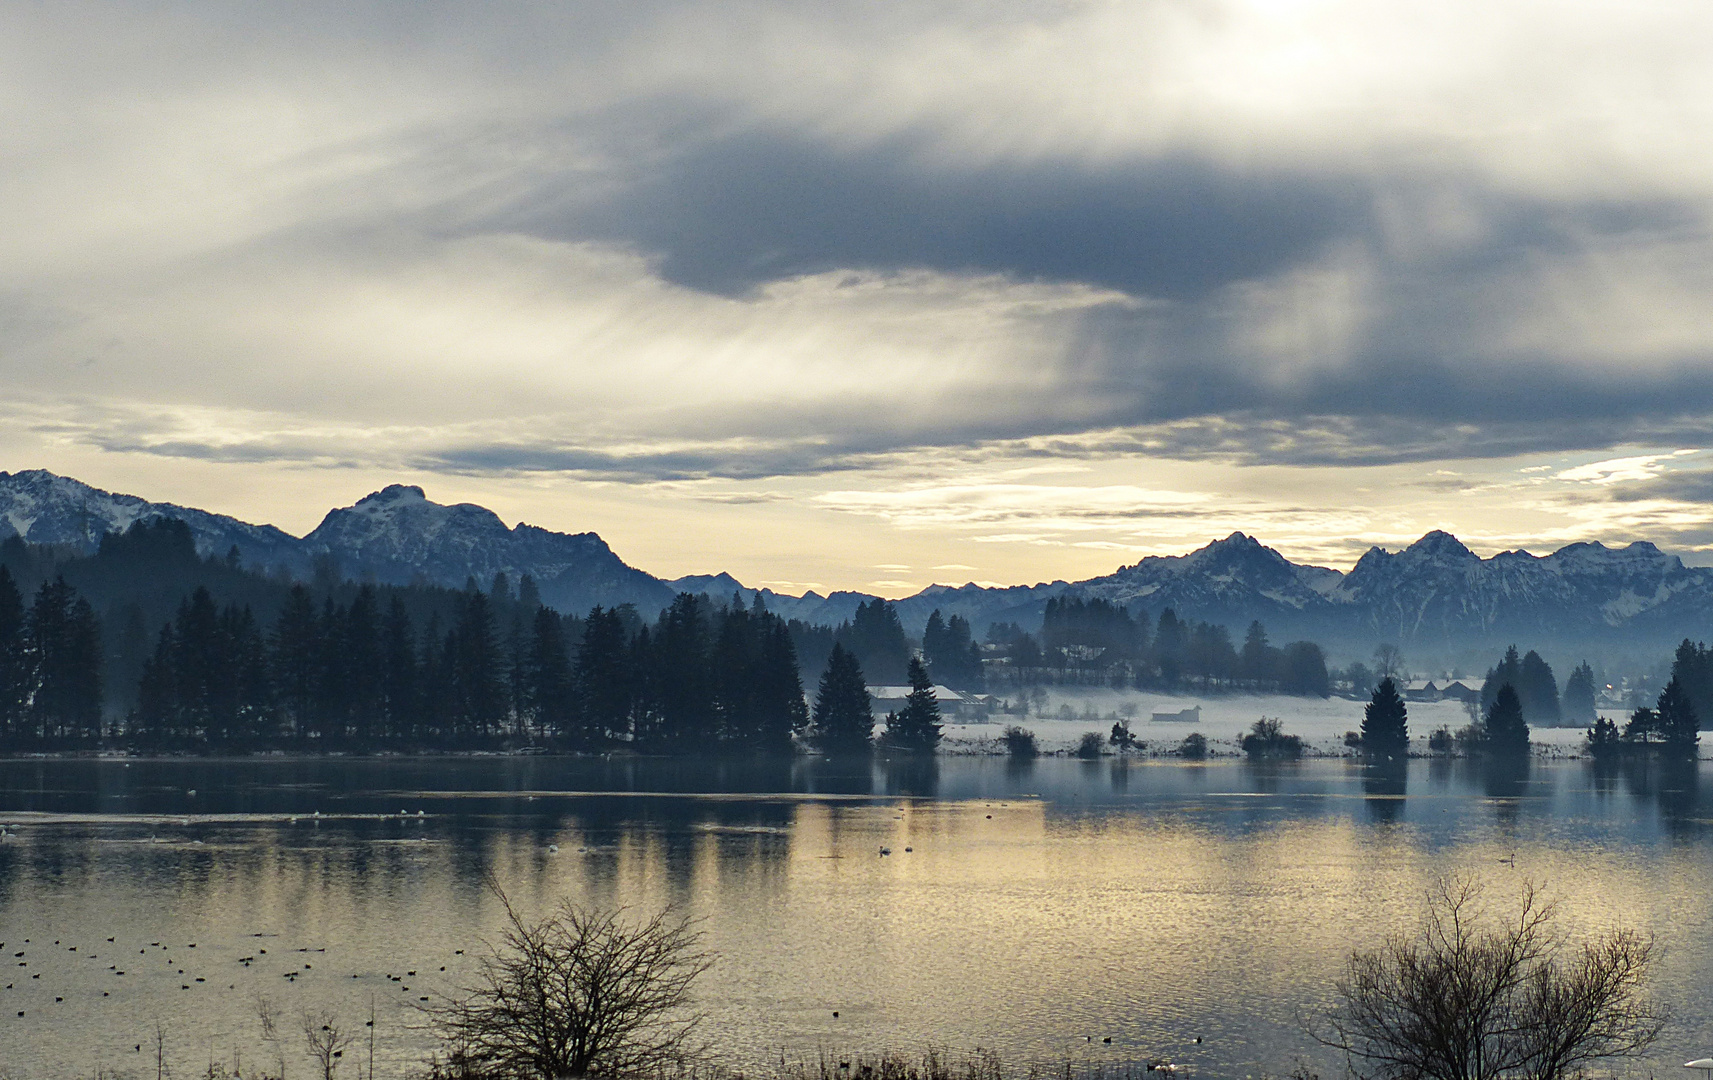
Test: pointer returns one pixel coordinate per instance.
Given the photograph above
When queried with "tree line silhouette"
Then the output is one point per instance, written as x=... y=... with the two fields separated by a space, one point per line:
x=1096 y=640
x=147 y=644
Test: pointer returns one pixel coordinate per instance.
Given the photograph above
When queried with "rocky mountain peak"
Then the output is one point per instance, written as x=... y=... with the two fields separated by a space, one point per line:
x=1440 y=545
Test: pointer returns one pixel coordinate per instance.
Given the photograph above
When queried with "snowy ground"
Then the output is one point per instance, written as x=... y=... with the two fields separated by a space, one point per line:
x=1224 y=720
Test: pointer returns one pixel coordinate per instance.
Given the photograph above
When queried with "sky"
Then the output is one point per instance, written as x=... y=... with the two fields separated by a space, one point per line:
x=857 y=295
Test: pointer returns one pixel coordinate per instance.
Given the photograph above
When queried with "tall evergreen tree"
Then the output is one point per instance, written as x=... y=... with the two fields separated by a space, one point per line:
x=604 y=682
x=15 y=677
x=1385 y=722
x=916 y=727
x=297 y=657
x=64 y=643
x=950 y=652
x=400 y=674
x=781 y=712
x=876 y=636
x=1678 y=723
x=1259 y=659
x=844 y=716
x=1538 y=692
x=1692 y=667
x=363 y=668
x=1506 y=731
x=1643 y=728
x=1169 y=648
x=680 y=705
x=478 y=693
x=547 y=682
x=1508 y=672
x=1578 y=705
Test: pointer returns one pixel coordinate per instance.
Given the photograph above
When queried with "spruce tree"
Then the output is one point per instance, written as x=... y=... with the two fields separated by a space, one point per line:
x=604 y=681
x=916 y=727
x=1509 y=671
x=15 y=682
x=1578 y=703
x=547 y=684
x=876 y=637
x=1385 y=723
x=1258 y=657
x=1678 y=726
x=1506 y=732
x=1642 y=729
x=1693 y=668
x=781 y=713
x=64 y=641
x=844 y=717
x=400 y=675
x=1603 y=738
x=297 y=661
x=1538 y=691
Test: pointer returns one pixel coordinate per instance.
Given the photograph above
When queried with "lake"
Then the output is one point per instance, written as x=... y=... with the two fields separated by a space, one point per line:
x=1037 y=909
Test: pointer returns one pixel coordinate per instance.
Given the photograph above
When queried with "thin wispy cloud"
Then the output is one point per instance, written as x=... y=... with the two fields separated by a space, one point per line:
x=794 y=254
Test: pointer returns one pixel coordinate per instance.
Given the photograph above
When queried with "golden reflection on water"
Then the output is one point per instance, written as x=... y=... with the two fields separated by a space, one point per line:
x=1152 y=905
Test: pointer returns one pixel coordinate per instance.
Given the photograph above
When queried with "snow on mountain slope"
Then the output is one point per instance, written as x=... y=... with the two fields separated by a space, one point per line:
x=398 y=535
x=1438 y=591
x=44 y=508
x=1432 y=597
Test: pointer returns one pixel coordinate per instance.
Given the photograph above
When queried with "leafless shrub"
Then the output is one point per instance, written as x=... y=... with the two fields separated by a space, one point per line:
x=580 y=993
x=1476 y=997
x=325 y=1040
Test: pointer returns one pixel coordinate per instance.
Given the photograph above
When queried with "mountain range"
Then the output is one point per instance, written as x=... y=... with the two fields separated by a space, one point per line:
x=1435 y=597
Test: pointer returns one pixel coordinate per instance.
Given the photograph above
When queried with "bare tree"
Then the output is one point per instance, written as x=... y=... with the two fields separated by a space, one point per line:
x=1388 y=662
x=326 y=1042
x=580 y=993
x=1477 y=997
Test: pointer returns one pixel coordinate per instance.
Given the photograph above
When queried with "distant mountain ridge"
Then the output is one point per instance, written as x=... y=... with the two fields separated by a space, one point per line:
x=1435 y=597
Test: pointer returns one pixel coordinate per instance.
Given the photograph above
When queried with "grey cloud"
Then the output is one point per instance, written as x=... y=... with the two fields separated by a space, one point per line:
x=1685 y=485
x=725 y=205
x=730 y=213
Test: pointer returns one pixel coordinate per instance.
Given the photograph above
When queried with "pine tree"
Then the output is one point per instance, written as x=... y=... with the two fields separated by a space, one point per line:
x=1169 y=642
x=604 y=682
x=297 y=661
x=1508 y=672
x=15 y=680
x=1385 y=722
x=1259 y=659
x=155 y=720
x=363 y=667
x=400 y=674
x=1678 y=724
x=547 y=684
x=64 y=642
x=1578 y=704
x=1603 y=738
x=1538 y=692
x=876 y=637
x=781 y=712
x=1693 y=668
x=680 y=678
x=844 y=717
x=1506 y=731
x=1642 y=729
x=916 y=727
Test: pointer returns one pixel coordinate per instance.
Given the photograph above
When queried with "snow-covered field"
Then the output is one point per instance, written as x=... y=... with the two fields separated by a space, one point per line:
x=1224 y=720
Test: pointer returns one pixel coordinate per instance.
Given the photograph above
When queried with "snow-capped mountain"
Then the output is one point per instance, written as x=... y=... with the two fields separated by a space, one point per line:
x=397 y=535
x=1435 y=597
x=1436 y=591
x=44 y=508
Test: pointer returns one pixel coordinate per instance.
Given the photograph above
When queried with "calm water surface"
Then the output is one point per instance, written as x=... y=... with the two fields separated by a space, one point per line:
x=1041 y=909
